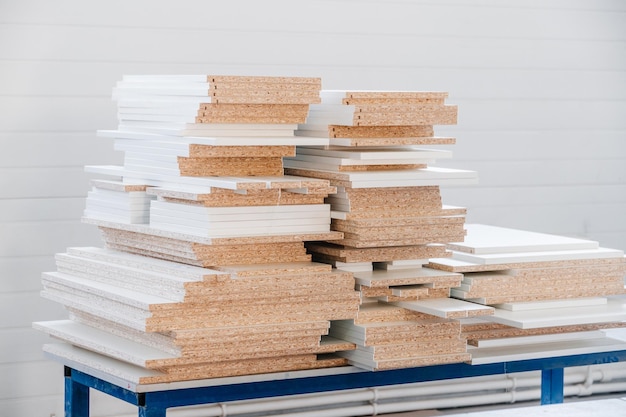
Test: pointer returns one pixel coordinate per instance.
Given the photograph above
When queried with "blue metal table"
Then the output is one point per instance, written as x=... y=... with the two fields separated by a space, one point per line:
x=155 y=403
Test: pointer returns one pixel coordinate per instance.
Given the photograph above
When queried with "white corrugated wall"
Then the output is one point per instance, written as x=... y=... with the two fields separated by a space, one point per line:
x=541 y=87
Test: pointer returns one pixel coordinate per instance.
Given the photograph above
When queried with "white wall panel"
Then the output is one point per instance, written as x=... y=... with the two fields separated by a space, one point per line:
x=541 y=89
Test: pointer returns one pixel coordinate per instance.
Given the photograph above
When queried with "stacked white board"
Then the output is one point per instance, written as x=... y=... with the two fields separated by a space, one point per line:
x=388 y=207
x=205 y=273
x=547 y=287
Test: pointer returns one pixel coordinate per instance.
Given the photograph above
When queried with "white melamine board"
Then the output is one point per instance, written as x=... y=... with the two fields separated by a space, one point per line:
x=267 y=230
x=152 y=108
x=127 y=375
x=323 y=161
x=231 y=213
x=486 y=239
x=445 y=307
x=544 y=256
x=171 y=233
x=613 y=310
x=111 y=370
x=215 y=225
x=136 y=299
x=376 y=153
x=127 y=201
x=544 y=338
x=102 y=342
x=419 y=275
x=156 y=179
x=174 y=270
x=116 y=217
x=160 y=285
x=156 y=118
x=539 y=305
x=151 y=147
x=261 y=139
x=398 y=178
x=234 y=220
x=544 y=350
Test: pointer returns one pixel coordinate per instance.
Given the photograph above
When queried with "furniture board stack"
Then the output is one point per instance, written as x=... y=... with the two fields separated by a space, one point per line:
x=388 y=207
x=204 y=273
x=551 y=294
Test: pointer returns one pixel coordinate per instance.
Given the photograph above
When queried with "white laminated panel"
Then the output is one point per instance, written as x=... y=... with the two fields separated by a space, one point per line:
x=174 y=270
x=539 y=305
x=313 y=161
x=613 y=310
x=218 y=135
x=376 y=153
x=543 y=338
x=385 y=278
x=446 y=307
x=244 y=212
x=268 y=230
x=486 y=239
x=542 y=256
x=102 y=342
x=544 y=350
x=180 y=235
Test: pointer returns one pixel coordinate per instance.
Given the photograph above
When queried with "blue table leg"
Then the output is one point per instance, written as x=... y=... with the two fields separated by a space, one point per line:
x=145 y=411
x=76 y=397
x=552 y=386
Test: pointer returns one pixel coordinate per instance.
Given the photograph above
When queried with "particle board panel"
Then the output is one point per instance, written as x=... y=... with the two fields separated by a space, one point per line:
x=268 y=238
x=347 y=254
x=482 y=330
x=210 y=135
x=576 y=302
x=205 y=255
x=383 y=278
x=416 y=132
x=102 y=342
x=608 y=257
x=543 y=338
x=429 y=176
x=485 y=239
x=376 y=153
x=541 y=256
x=615 y=309
x=139 y=354
x=544 y=350
x=446 y=308
x=153 y=177
x=392 y=333
x=429 y=360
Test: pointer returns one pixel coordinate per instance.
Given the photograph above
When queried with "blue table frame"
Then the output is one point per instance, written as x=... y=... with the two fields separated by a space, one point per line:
x=154 y=404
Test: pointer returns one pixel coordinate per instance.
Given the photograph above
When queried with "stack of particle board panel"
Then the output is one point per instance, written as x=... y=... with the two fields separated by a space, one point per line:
x=388 y=207
x=205 y=273
x=547 y=291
